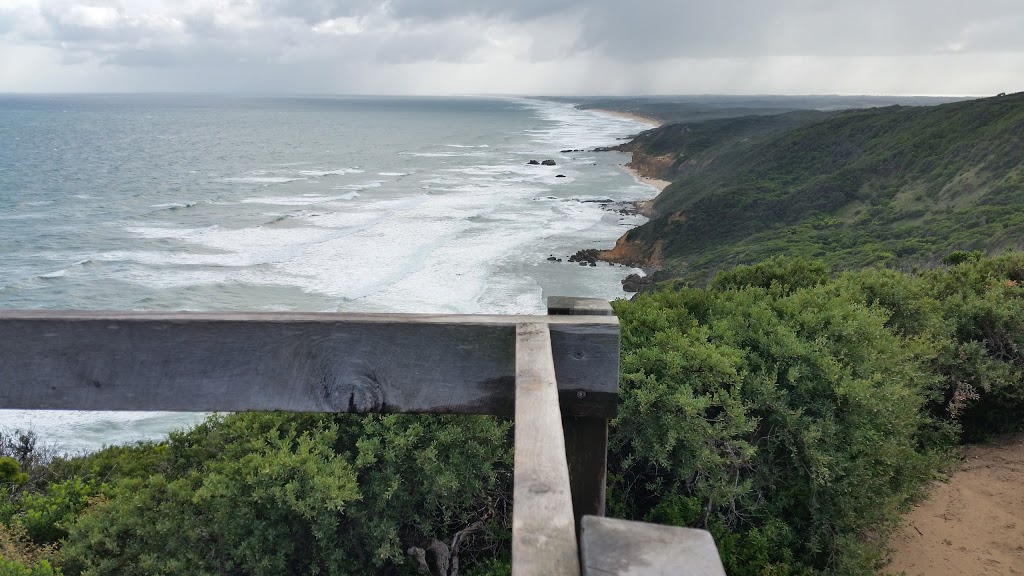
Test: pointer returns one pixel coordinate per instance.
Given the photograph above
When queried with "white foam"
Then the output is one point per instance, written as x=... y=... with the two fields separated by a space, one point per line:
x=362 y=185
x=304 y=200
x=264 y=179
x=442 y=154
x=337 y=172
x=80 y=432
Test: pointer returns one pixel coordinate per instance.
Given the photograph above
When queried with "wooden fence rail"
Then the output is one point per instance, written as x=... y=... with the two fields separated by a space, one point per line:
x=557 y=374
x=186 y=361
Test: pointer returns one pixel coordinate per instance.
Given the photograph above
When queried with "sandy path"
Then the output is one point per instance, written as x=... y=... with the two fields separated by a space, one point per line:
x=973 y=524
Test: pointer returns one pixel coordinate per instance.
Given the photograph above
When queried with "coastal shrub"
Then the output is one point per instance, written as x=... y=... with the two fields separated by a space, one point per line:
x=265 y=494
x=982 y=306
x=46 y=516
x=20 y=556
x=788 y=412
x=13 y=568
x=10 y=472
x=787 y=423
x=787 y=274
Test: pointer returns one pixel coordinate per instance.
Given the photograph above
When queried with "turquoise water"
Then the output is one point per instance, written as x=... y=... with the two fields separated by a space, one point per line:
x=312 y=204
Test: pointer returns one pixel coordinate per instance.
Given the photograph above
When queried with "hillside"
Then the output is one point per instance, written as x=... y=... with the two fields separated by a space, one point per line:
x=893 y=186
x=699 y=108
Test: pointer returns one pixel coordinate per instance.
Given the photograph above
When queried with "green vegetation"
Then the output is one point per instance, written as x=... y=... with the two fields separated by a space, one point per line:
x=271 y=494
x=793 y=415
x=886 y=186
x=701 y=108
x=793 y=406
x=790 y=412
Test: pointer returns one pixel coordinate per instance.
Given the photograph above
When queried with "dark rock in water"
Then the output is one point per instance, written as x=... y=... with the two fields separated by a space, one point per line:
x=588 y=256
x=533 y=163
x=634 y=282
x=594 y=264
x=573 y=150
x=548 y=162
x=581 y=263
x=559 y=260
x=552 y=259
x=560 y=176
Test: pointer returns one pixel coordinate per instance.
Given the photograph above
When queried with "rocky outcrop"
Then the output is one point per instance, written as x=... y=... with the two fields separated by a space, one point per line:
x=636 y=282
x=627 y=252
x=587 y=256
x=634 y=253
x=548 y=162
x=533 y=163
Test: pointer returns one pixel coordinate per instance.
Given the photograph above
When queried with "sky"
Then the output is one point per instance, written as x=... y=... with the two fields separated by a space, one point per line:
x=563 y=47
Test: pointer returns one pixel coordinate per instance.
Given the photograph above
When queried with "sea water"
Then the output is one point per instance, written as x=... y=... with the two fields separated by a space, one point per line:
x=215 y=203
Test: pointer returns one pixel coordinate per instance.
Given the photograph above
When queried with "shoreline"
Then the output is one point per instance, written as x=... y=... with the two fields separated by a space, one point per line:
x=652 y=122
x=646 y=207
x=655 y=183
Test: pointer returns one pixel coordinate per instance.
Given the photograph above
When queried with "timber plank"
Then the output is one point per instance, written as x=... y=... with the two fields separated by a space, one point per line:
x=305 y=362
x=543 y=528
x=611 y=547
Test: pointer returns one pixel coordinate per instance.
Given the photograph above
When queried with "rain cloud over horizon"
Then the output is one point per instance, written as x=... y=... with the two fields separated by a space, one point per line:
x=525 y=47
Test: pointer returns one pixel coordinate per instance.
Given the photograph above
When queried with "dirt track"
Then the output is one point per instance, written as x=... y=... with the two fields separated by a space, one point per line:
x=972 y=525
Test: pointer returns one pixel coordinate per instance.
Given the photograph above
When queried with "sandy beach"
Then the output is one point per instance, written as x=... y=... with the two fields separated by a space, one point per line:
x=645 y=207
x=654 y=182
x=646 y=120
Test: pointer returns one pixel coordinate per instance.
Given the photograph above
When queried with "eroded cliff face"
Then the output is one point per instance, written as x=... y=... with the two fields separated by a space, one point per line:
x=651 y=166
x=635 y=253
x=644 y=162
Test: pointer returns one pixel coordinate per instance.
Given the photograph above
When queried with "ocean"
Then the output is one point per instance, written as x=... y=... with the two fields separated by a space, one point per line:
x=350 y=204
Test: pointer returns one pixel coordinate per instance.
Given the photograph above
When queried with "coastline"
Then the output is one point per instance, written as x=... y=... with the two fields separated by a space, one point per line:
x=652 y=122
x=646 y=207
x=626 y=252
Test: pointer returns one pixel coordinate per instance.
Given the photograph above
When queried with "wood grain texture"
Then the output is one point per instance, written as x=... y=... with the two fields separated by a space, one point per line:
x=286 y=361
x=543 y=529
x=586 y=438
x=611 y=547
x=586 y=449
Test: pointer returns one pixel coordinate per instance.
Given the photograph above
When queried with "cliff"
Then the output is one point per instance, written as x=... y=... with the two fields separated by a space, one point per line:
x=895 y=186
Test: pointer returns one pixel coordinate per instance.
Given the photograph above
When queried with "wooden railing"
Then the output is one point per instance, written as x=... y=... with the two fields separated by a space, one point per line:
x=557 y=374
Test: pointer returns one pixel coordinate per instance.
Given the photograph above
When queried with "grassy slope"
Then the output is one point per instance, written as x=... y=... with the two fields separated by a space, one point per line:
x=890 y=186
x=699 y=108
x=686 y=147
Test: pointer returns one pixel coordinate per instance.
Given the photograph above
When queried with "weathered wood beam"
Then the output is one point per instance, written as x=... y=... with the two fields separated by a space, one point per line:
x=611 y=547
x=586 y=438
x=303 y=362
x=543 y=529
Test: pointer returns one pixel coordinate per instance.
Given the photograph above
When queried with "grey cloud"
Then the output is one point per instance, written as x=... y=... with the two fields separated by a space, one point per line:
x=745 y=28
x=247 y=39
x=421 y=10
x=443 y=46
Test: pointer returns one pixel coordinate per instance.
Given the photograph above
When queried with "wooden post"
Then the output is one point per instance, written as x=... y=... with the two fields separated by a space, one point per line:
x=586 y=438
x=543 y=529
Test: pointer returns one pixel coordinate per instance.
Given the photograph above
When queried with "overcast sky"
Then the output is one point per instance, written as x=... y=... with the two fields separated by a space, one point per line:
x=949 y=47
